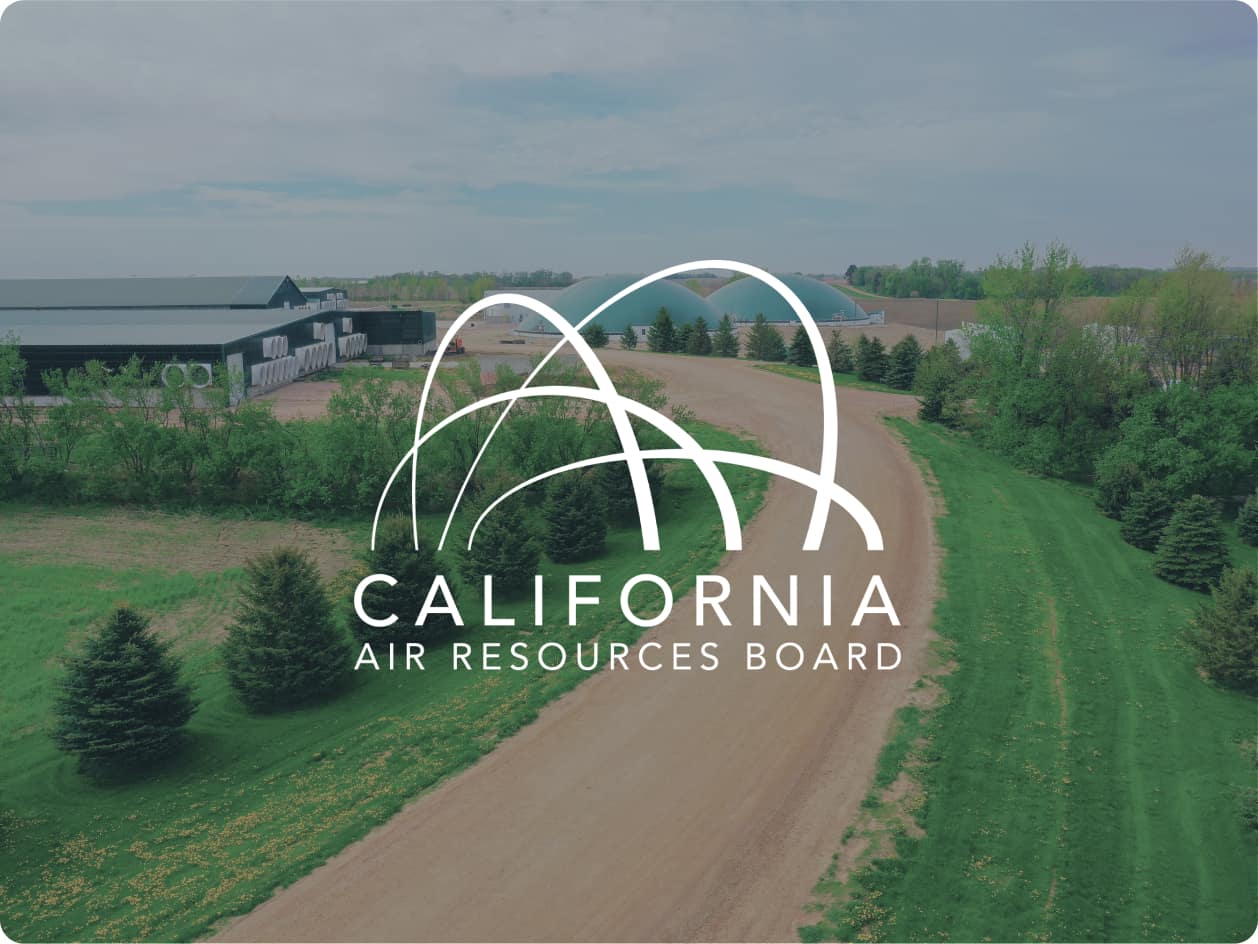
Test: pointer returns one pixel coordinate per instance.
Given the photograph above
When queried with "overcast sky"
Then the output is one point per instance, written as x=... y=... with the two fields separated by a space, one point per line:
x=350 y=139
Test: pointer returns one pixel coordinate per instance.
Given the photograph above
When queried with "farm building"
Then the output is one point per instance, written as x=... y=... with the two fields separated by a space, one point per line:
x=513 y=313
x=637 y=311
x=222 y=292
x=743 y=299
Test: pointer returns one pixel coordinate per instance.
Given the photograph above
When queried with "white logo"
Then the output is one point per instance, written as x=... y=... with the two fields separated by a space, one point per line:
x=622 y=408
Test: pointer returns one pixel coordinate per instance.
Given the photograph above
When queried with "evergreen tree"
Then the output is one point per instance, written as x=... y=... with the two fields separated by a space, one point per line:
x=800 y=352
x=594 y=334
x=576 y=529
x=503 y=550
x=1247 y=521
x=700 y=342
x=763 y=341
x=617 y=487
x=906 y=356
x=414 y=570
x=629 y=338
x=871 y=359
x=1225 y=631
x=1146 y=516
x=122 y=700
x=1192 y=552
x=662 y=337
x=284 y=648
x=840 y=353
x=682 y=341
x=938 y=385
x=726 y=343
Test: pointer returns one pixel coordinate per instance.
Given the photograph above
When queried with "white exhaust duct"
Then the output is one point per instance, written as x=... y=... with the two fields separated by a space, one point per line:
x=175 y=375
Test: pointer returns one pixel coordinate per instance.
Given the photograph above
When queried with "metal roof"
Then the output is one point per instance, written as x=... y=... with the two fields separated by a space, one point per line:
x=143 y=327
x=202 y=292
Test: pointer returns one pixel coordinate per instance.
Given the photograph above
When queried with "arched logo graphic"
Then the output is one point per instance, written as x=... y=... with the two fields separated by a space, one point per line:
x=827 y=493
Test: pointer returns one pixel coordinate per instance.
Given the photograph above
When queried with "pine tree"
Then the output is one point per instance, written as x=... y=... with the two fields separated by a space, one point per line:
x=1247 y=521
x=906 y=355
x=800 y=352
x=840 y=353
x=1225 y=631
x=726 y=343
x=700 y=342
x=618 y=496
x=938 y=385
x=284 y=648
x=662 y=336
x=1146 y=516
x=682 y=341
x=629 y=338
x=502 y=549
x=1192 y=552
x=594 y=334
x=414 y=570
x=122 y=700
x=871 y=359
x=576 y=529
x=763 y=341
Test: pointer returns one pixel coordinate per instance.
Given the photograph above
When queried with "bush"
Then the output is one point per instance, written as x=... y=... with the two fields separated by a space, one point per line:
x=414 y=570
x=576 y=529
x=699 y=341
x=800 y=352
x=937 y=384
x=1225 y=631
x=502 y=551
x=1192 y=552
x=1146 y=516
x=906 y=355
x=871 y=359
x=594 y=334
x=1247 y=521
x=122 y=700
x=629 y=338
x=284 y=648
x=725 y=343
x=840 y=352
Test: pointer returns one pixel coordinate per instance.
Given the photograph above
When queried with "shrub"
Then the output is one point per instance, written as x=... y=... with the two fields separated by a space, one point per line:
x=906 y=355
x=576 y=529
x=1247 y=521
x=1225 y=631
x=284 y=648
x=840 y=352
x=594 y=334
x=938 y=385
x=699 y=341
x=1192 y=552
x=800 y=352
x=1146 y=516
x=414 y=570
x=725 y=343
x=122 y=699
x=503 y=551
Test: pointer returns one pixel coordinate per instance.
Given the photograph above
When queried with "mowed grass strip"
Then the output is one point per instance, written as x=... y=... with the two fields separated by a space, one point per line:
x=255 y=802
x=840 y=380
x=1081 y=781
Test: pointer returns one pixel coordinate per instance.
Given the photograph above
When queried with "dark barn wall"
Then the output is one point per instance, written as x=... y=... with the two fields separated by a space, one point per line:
x=64 y=357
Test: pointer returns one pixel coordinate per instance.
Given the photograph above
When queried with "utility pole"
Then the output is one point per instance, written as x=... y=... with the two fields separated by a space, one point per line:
x=936 y=321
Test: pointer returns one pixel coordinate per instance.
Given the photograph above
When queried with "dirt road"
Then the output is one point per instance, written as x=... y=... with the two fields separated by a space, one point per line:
x=668 y=805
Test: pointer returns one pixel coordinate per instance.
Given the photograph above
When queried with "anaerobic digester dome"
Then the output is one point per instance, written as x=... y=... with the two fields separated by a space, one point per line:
x=640 y=308
x=745 y=298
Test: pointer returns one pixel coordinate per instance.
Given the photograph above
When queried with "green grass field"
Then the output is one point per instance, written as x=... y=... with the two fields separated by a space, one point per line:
x=1077 y=780
x=253 y=803
x=840 y=380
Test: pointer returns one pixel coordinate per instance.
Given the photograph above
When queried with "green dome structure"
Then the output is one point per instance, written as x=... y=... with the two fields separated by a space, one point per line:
x=640 y=308
x=746 y=298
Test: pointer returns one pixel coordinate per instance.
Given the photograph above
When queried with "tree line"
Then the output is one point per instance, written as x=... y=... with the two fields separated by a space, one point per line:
x=464 y=287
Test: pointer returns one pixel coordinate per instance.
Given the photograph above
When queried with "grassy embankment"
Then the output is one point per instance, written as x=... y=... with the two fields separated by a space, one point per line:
x=254 y=802
x=840 y=380
x=1077 y=779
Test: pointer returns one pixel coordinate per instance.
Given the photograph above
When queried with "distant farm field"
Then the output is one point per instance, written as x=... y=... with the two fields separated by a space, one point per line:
x=253 y=802
x=1077 y=780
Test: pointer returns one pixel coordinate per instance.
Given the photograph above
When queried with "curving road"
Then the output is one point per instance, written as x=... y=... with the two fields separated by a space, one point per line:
x=670 y=805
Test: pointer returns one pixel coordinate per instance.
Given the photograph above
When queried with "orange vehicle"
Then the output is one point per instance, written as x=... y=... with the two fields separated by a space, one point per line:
x=455 y=347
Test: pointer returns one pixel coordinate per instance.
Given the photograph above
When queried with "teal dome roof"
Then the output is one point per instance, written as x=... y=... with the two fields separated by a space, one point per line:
x=745 y=298
x=640 y=308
